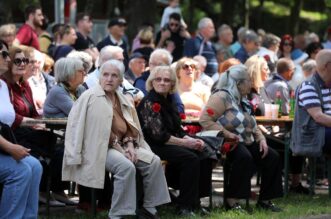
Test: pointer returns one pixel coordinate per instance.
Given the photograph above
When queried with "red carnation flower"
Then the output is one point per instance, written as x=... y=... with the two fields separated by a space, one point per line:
x=267 y=58
x=226 y=148
x=156 y=107
x=182 y=116
x=210 y=112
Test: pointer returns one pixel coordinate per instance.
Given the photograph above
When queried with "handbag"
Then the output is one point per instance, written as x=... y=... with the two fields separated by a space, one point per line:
x=213 y=143
x=7 y=133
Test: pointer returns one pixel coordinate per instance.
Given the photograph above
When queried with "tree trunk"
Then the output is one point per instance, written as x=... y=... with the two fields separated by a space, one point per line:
x=227 y=13
x=138 y=12
x=293 y=27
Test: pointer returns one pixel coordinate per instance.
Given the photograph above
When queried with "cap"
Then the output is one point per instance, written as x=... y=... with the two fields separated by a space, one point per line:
x=137 y=55
x=117 y=21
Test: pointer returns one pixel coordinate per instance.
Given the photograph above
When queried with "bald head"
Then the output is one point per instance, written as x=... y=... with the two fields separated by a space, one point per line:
x=323 y=64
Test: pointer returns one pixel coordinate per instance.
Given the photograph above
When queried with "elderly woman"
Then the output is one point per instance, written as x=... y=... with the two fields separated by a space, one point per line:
x=20 y=173
x=8 y=33
x=161 y=124
x=229 y=112
x=34 y=137
x=69 y=74
x=194 y=95
x=103 y=133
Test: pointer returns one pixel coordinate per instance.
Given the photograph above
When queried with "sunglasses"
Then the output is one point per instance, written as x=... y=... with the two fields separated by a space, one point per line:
x=173 y=24
x=21 y=61
x=4 y=54
x=186 y=66
x=166 y=80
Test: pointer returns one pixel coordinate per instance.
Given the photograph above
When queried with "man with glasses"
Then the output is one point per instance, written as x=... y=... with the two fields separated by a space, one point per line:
x=173 y=31
x=27 y=34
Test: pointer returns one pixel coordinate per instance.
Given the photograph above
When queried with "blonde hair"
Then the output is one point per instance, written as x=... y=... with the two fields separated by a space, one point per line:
x=7 y=29
x=254 y=68
x=181 y=63
x=146 y=36
x=161 y=69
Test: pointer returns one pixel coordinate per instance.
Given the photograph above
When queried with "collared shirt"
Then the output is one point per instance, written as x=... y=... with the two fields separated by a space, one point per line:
x=114 y=41
x=308 y=96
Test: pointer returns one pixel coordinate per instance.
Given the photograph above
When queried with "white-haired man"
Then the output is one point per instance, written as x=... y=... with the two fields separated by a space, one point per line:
x=201 y=45
x=158 y=57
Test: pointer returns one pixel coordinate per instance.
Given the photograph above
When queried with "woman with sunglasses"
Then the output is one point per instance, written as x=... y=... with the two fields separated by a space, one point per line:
x=194 y=95
x=286 y=46
x=20 y=173
x=40 y=141
x=188 y=169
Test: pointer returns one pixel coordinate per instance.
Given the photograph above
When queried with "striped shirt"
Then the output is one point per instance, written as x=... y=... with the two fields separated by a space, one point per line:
x=308 y=96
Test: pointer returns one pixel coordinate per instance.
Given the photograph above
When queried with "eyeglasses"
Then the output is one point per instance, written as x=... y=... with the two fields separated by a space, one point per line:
x=82 y=71
x=5 y=54
x=165 y=80
x=173 y=24
x=21 y=61
x=186 y=66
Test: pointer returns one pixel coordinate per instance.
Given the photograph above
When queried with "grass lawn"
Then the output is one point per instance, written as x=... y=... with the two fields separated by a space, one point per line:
x=295 y=206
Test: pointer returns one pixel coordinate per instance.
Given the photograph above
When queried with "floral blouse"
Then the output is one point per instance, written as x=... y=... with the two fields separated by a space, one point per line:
x=159 y=119
x=223 y=112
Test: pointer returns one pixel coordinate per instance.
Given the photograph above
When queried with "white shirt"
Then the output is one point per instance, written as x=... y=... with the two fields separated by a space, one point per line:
x=39 y=91
x=7 y=112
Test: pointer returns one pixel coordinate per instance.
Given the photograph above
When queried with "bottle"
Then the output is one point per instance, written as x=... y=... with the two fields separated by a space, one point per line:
x=292 y=104
x=279 y=102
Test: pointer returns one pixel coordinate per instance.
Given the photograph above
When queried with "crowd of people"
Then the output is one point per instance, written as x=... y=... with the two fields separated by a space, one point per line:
x=125 y=106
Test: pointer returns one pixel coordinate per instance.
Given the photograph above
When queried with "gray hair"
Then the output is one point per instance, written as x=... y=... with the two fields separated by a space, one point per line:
x=84 y=56
x=309 y=65
x=107 y=53
x=201 y=60
x=115 y=63
x=223 y=28
x=155 y=71
x=270 y=40
x=230 y=79
x=65 y=68
x=204 y=22
x=161 y=54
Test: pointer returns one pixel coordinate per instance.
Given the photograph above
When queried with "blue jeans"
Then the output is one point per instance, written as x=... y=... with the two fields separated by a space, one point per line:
x=20 y=187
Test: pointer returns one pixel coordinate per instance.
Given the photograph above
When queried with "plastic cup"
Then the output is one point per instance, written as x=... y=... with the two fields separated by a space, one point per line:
x=267 y=110
x=274 y=111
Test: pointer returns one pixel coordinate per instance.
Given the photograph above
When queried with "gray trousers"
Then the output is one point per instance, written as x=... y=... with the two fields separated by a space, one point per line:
x=124 y=173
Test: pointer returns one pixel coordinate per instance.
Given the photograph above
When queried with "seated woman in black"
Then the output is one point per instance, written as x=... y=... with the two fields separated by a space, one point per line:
x=188 y=169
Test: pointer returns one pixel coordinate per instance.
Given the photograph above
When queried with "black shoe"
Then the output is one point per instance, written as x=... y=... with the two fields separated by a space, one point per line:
x=234 y=207
x=203 y=211
x=300 y=189
x=268 y=206
x=144 y=214
x=185 y=212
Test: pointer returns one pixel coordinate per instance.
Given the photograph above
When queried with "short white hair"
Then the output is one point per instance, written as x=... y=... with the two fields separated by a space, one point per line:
x=201 y=60
x=65 y=68
x=115 y=63
x=161 y=54
x=84 y=56
x=108 y=52
x=204 y=22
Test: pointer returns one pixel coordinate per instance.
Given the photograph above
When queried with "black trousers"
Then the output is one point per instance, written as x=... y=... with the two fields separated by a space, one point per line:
x=43 y=147
x=186 y=172
x=242 y=163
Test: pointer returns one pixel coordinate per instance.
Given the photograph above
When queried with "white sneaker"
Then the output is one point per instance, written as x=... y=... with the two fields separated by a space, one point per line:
x=52 y=201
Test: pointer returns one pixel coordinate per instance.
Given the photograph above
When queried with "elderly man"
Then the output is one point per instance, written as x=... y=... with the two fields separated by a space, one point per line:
x=200 y=73
x=225 y=38
x=201 y=45
x=249 y=46
x=83 y=42
x=269 y=50
x=116 y=28
x=158 y=57
x=27 y=34
x=103 y=133
x=137 y=64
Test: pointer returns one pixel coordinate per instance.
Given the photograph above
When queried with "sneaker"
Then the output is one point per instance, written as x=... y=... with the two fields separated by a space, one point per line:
x=52 y=201
x=300 y=189
x=268 y=206
x=144 y=214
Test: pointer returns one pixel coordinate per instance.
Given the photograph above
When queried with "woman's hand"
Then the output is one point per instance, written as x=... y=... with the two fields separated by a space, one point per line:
x=131 y=153
x=18 y=152
x=196 y=144
x=231 y=136
x=263 y=148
